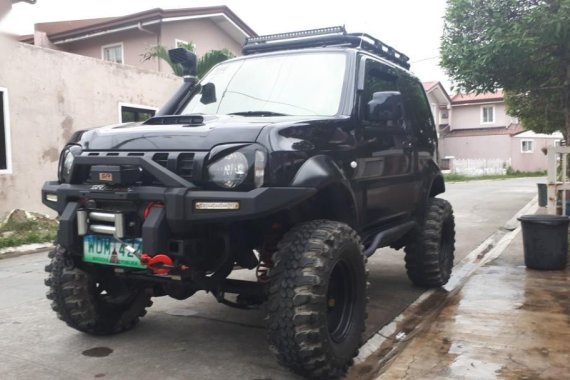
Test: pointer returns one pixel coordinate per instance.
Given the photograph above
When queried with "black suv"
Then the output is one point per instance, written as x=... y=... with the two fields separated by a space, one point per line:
x=297 y=160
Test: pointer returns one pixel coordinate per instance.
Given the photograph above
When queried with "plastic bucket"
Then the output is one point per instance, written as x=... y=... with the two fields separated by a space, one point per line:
x=545 y=240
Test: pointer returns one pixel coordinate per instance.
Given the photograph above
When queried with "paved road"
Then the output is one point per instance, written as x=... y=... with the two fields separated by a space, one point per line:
x=198 y=338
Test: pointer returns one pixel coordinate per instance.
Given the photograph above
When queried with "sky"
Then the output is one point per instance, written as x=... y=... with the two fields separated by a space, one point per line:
x=413 y=27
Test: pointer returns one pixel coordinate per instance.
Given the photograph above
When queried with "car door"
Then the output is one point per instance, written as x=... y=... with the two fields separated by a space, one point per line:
x=385 y=159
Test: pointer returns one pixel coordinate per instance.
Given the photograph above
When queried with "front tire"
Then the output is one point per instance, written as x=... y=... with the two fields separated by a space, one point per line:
x=430 y=253
x=98 y=305
x=317 y=299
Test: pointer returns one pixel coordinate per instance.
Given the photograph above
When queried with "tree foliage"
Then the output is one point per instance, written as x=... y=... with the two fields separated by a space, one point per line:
x=204 y=64
x=520 y=46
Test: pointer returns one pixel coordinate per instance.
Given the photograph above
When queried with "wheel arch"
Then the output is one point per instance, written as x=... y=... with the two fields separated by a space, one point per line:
x=435 y=182
x=322 y=173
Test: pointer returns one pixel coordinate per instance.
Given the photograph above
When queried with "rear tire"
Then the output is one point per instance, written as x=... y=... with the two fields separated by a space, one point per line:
x=317 y=299
x=98 y=306
x=430 y=253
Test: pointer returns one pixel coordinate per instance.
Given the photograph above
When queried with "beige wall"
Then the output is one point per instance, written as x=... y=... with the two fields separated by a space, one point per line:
x=530 y=162
x=205 y=34
x=5 y=6
x=501 y=147
x=469 y=116
x=52 y=94
x=474 y=147
x=135 y=43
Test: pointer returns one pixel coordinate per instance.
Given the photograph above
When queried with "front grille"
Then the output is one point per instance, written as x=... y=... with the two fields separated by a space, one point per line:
x=185 y=165
x=181 y=163
x=161 y=159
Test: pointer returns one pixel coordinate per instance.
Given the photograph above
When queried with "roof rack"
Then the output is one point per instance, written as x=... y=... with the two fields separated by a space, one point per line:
x=331 y=36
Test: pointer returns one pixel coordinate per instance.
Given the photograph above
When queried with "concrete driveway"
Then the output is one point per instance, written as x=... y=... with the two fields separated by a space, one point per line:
x=199 y=338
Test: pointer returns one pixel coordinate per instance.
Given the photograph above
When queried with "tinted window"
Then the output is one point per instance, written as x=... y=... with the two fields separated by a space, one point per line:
x=418 y=113
x=376 y=79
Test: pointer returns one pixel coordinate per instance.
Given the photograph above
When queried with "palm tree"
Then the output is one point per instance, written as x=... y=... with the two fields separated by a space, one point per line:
x=204 y=64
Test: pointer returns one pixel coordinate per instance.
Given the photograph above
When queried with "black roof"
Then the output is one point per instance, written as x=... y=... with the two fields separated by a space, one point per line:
x=324 y=37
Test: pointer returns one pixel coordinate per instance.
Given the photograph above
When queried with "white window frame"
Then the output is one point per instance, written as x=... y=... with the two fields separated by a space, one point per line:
x=177 y=41
x=121 y=44
x=8 y=140
x=531 y=141
x=131 y=105
x=483 y=113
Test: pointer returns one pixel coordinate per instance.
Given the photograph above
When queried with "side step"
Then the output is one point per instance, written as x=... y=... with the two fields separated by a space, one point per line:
x=386 y=236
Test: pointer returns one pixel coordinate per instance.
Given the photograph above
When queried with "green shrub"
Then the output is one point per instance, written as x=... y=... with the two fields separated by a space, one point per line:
x=16 y=233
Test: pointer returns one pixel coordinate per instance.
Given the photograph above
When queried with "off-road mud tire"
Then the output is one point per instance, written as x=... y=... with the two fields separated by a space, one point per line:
x=75 y=299
x=430 y=252
x=300 y=304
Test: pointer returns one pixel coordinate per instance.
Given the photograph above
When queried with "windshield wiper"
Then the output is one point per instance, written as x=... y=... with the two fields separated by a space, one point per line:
x=258 y=113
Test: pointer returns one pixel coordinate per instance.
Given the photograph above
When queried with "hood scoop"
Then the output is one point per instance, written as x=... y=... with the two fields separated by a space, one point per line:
x=185 y=120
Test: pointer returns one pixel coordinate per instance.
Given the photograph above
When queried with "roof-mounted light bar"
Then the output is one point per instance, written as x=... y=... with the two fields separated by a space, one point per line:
x=295 y=35
x=323 y=37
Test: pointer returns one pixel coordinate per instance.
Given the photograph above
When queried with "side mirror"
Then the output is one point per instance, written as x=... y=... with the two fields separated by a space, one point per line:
x=185 y=58
x=208 y=93
x=385 y=106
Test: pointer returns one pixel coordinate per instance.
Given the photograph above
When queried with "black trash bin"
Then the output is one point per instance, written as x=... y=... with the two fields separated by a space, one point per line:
x=545 y=239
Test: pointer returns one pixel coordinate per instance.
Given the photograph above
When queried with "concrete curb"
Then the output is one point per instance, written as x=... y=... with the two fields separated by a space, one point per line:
x=25 y=249
x=389 y=340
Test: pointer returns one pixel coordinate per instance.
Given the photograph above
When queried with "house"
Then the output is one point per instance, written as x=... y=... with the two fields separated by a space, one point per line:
x=477 y=136
x=46 y=96
x=6 y=5
x=440 y=103
x=123 y=40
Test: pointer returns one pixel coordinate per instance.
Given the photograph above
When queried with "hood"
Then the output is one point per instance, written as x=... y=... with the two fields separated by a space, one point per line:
x=137 y=136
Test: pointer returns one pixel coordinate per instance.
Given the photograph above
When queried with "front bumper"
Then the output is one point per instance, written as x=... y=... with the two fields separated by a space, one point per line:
x=180 y=202
x=179 y=207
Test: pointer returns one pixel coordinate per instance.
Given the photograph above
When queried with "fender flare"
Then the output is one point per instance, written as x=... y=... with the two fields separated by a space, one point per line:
x=436 y=184
x=321 y=172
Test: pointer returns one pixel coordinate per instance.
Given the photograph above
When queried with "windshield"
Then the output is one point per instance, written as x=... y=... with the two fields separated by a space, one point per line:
x=297 y=84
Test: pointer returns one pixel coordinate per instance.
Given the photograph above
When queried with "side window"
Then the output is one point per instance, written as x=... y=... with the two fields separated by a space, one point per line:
x=487 y=115
x=377 y=78
x=113 y=53
x=418 y=113
x=527 y=146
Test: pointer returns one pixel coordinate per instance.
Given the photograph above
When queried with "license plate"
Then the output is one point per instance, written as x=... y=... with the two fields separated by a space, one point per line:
x=106 y=250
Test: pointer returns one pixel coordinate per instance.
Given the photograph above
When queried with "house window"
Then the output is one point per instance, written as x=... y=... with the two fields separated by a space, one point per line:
x=185 y=44
x=527 y=146
x=113 y=53
x=133 y=113
x=487 y=114
x=4 y=133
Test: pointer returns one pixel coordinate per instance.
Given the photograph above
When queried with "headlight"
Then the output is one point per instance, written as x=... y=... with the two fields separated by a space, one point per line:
x=66 y=162
x=229 y=171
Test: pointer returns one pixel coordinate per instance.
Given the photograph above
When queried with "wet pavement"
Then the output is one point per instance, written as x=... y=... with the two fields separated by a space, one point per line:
x=507 y=322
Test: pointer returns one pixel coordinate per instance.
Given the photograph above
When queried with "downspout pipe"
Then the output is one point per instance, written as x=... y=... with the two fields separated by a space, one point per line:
x=143 y=29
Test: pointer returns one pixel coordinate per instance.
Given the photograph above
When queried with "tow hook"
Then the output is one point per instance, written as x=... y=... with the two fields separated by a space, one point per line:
x=158 y=264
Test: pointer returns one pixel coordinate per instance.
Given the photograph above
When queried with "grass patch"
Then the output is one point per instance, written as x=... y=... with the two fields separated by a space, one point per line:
x=510 y=174
x=19 y=232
